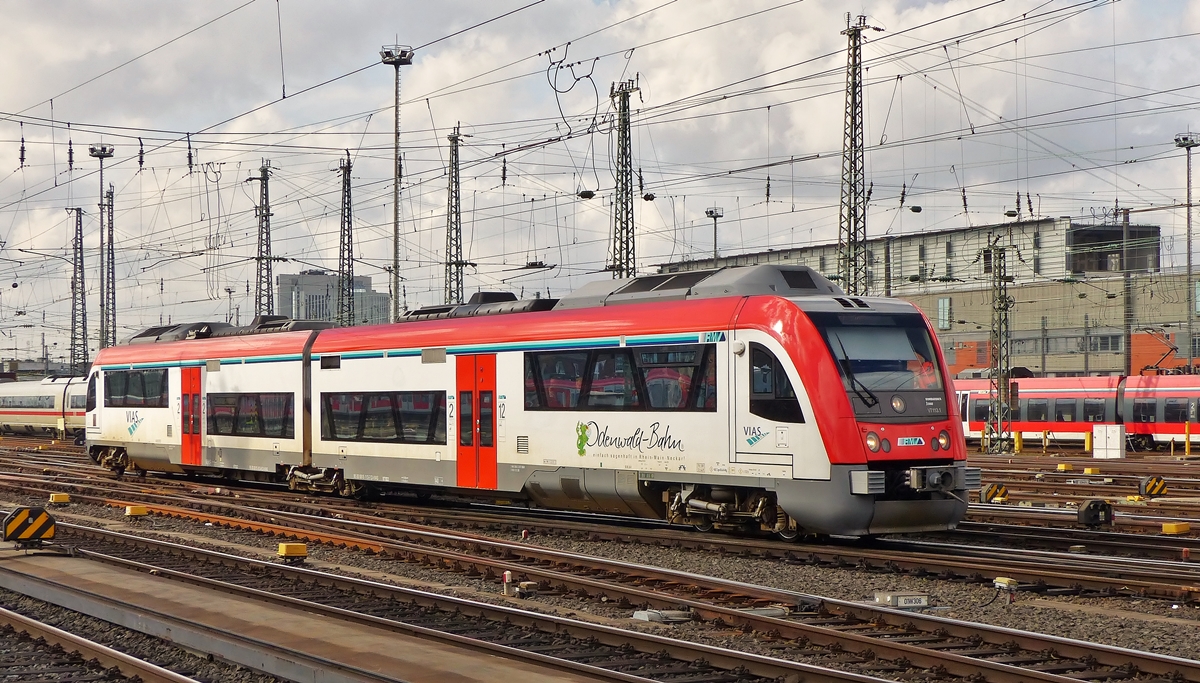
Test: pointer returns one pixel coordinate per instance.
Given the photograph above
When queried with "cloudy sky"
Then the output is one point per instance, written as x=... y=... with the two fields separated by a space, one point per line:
x=1072 y=104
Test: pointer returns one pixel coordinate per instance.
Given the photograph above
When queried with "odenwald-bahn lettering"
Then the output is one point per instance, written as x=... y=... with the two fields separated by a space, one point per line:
x=656 y=437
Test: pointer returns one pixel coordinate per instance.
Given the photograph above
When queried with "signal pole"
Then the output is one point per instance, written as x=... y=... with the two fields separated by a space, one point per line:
x=345 y=296
x=624 y=263
x=454 y=255
x=264 y=295
x=79 y=341
x=999 y=425
x=397 y=56
x=852 y=223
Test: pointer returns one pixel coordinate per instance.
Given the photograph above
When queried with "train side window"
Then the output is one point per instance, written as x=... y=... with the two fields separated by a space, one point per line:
x=1175 y=410
x=186 y=408
x=982 y=407
x=91 y=393
x=562 y=378
x=1145 y=410
x=136 y=389
x=771 y=393
x=248 y=422
x=1064 y=410
x=221 y=410
x=962 y=406
x=379 y=417
x=266 y=415
x=706 y=389
x=614 y=381
x=466 y=424
x=1037 y=410
x=1093 y=410
x=533 y=398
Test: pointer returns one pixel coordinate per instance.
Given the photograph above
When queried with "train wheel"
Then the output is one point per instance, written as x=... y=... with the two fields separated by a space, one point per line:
x=1141 y=442
x=704 y=527
x=788 y=535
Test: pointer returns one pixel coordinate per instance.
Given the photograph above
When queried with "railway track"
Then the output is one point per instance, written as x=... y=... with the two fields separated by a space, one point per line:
x=33 y=651
x=865 y=640
x=593 y=649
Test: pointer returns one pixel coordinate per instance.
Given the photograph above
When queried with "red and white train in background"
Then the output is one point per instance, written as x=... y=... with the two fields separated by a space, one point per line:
x=1155 y=409
x=747 y=397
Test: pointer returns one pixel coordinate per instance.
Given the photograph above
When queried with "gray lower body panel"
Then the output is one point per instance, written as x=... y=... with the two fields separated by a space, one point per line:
x=828 y=507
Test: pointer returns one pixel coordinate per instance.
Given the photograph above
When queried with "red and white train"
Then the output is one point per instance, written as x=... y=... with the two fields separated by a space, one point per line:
x=1155 y=409
x=755 y=396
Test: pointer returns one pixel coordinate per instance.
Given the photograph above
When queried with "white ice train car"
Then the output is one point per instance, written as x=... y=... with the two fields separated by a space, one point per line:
x=49 y=406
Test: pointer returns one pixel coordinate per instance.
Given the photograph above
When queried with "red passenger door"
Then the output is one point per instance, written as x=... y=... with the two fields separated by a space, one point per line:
x=192 y=412
x=477 y=421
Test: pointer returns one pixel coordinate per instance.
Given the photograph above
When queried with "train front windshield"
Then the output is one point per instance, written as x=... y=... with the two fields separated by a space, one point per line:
x=879 y=355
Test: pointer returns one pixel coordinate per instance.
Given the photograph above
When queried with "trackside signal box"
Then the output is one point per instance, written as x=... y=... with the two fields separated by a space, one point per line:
x=28 y=527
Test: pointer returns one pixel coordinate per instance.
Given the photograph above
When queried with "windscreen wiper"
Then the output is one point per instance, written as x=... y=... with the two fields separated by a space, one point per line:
x=870 y=400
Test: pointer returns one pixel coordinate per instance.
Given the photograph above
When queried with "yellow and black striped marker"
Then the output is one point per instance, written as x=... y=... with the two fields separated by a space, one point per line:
x=29 y=526
x=992 y=492
x=1152 y=486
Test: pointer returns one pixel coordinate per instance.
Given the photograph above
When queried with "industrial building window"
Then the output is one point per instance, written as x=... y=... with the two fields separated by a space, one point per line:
x=1175 y=410
x=1145 y=410
x=943 y=313
x=1196 y=298
x=675 y=378
x=1093 y=410
x=987 y=261
x=135 y=389
x=1037 y=410
x=268 y=415
x=385 y=416
x=1105 y=342
x=1064 y=410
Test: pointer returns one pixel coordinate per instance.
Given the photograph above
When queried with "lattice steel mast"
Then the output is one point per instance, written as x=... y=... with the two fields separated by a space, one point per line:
x=79 y=341
x=624 y=263
x=454 y=251
x=264 y=294
x=345 y=295
x=109 y=338
x=852 y=223
x=999 y=426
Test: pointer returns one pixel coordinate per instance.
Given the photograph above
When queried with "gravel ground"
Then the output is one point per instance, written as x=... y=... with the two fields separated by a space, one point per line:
x=1150 y=625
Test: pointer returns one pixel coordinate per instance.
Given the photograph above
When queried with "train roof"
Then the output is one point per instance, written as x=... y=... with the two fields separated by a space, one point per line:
x=671 y=303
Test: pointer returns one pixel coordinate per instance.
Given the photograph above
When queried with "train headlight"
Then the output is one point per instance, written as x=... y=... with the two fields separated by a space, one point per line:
x=873 y=442
x=898 y=404
x=887 y=446
x=943 y=440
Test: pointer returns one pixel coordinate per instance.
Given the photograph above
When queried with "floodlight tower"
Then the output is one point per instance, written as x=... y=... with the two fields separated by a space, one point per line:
x=397 y=56
x=104 y=151
x=715 y=213
x=1187 y=141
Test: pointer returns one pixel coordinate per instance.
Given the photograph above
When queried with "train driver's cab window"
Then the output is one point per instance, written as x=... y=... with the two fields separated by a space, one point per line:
x=1175 y=410
x=771 y=392
x=1093 y=410
x=1145 y=410
x=91 y=393
x=1064 y=410
x=1037 y=410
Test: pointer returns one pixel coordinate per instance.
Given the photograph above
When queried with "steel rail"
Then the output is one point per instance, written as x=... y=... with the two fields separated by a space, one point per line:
x=128 y=665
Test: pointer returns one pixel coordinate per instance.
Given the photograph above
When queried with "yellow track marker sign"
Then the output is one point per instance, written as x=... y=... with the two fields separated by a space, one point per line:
x=27 y=525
